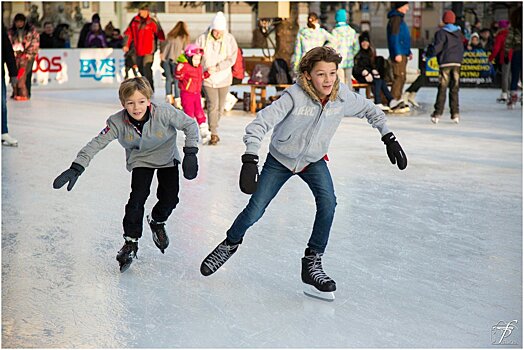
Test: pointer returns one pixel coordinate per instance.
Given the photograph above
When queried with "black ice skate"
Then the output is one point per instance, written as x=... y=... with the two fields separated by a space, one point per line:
x=319 y=285
x=218 y=257
x=159 y=233
x=127 y=253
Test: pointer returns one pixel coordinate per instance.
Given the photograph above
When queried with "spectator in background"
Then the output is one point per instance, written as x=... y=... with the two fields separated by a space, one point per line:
x=476 y=27
x=25 y=41
x=177 y=39
x=239 y=68
x=96 y=38
x=486 y=40
x=86 y=29
x=501 y=58
x=514 y=45
x=346 y=44
x=449 y=48
x=47 y=37
x=117 y=40
x=8 y=59
x=63 y=36
x=220 y=53
x=310 y=37
x=399 y=45
x=143 y=32
x=474 y=43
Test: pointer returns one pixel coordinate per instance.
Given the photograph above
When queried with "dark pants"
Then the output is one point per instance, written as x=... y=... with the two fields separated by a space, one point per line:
x=399 y=77
x=4 y=106
x=378 y=86
x=516 y=69
x=274 y=175
x=418 y=83
x=448 y=76
x=167 y=194
x=144 y=64
x=29 y=76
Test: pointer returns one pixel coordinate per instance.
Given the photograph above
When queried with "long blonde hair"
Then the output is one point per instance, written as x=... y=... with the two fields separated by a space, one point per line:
x=179 y=30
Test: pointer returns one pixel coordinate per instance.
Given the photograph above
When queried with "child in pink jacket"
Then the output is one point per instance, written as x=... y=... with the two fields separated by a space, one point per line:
x=190 y=76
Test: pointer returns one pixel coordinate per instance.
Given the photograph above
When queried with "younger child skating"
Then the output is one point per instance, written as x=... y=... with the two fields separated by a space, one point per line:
x=304 y=120
x=148 y=132
x=190 y=76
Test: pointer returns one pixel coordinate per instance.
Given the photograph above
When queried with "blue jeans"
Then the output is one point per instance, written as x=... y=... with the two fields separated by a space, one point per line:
x=272 y=178
x=4 y=106
x=169 y=69
x=378 y=86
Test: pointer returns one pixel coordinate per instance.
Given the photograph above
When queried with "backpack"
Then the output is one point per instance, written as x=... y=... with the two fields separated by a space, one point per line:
x=279 y=72
x=260 y=75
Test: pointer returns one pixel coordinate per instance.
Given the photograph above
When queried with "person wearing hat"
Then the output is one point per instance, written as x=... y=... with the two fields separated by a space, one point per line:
x=346 y=45
x=399 y=45
x=220 y=53
x=142 y=32
x=449 y=49
x=501 y=57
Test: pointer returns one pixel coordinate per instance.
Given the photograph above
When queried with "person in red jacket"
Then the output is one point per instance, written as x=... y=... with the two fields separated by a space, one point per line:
x=502 y=57
x=142 y=32
x=190 y=76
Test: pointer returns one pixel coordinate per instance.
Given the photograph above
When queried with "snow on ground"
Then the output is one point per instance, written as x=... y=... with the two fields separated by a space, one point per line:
x=427 y=257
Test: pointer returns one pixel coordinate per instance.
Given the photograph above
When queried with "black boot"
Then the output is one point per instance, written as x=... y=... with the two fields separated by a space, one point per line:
x=159 y=233
x=313 y=274
x=127 y=253
x=218 y=257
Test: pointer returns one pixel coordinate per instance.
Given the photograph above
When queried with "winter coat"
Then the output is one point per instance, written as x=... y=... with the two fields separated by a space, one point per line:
x=8 y=56
x=220 y=54
x=308 y=38
x=142 y=32
x=96 y=40
x=448 y=46
x=155 y=148
x=514 y=40
x=363 y=62
x=399 y=39
x=189 y=77
x=499 y=48
x=346 y=44
x=25 y=41
x=303 y=127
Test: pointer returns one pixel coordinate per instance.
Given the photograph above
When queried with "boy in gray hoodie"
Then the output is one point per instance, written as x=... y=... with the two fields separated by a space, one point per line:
x=304 y=120
x=148 y=133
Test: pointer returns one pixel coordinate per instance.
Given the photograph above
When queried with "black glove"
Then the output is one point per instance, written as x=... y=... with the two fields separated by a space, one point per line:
x=190 y=163
x=395 y=152
x=70 y=175
x=249 y=174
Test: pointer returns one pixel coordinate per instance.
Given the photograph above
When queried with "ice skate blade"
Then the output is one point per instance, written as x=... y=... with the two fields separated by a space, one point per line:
x=312 y=292
x=125 y=265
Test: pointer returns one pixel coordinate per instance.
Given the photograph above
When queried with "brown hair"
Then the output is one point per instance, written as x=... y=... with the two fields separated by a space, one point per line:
x=317 y=54
x=129 y=86
x=180 y=30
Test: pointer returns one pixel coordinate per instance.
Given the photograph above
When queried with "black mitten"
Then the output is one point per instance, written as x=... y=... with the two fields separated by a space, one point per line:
x=395 y=152
x=249 y=173
x=70 y=175
x=190 y=163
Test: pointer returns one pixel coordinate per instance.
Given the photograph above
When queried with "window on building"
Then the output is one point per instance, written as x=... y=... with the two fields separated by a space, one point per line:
x=157 y=7
x=214 y=6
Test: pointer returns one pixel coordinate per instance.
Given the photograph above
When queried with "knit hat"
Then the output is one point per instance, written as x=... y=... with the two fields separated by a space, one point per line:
x=364 y=37
x=341 y=16
x=399 y=4
x=448 y=17
x=503 y=23
x=219 y=22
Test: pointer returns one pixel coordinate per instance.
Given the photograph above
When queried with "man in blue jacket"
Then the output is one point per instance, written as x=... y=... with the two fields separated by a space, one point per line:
x=399 y=45
x=449 y=49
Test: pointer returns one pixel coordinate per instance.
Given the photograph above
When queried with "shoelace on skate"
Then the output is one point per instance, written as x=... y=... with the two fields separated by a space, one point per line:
x=317 y=273
x=219 y=257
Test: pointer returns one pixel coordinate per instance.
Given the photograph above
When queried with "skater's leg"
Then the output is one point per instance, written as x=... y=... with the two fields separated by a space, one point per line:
x=140 y=188
x=272 y=178
x=167 y=193
x=318 y=178
x=444 y=77
x=454 y=92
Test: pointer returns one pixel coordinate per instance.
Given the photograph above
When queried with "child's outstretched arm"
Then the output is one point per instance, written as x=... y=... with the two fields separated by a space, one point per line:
x=83 y=158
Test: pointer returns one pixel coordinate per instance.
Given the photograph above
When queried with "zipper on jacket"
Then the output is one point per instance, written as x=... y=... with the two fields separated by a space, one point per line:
x=309 y=137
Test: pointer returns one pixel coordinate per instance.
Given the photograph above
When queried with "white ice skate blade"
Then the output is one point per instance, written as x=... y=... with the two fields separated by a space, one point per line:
x=311 y=291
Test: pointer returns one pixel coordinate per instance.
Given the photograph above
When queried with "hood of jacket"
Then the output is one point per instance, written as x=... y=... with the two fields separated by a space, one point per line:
x=451 y=28
x=307 y=86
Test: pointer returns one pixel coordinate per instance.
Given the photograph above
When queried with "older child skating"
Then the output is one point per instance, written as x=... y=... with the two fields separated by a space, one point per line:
x=148 y=133
x=304 y=120
x=190 y=76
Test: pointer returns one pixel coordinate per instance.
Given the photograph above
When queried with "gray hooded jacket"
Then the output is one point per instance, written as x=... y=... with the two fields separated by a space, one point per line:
x=156 y=148
x=303 y=128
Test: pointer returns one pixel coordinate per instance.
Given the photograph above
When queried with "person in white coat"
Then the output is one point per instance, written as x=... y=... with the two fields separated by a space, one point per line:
x=220 y=53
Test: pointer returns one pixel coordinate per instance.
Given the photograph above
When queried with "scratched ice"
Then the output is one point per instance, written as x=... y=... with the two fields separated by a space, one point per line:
x=427 y=257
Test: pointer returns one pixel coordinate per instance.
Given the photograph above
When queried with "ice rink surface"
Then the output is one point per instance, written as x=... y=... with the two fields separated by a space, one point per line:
x=426 y=257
